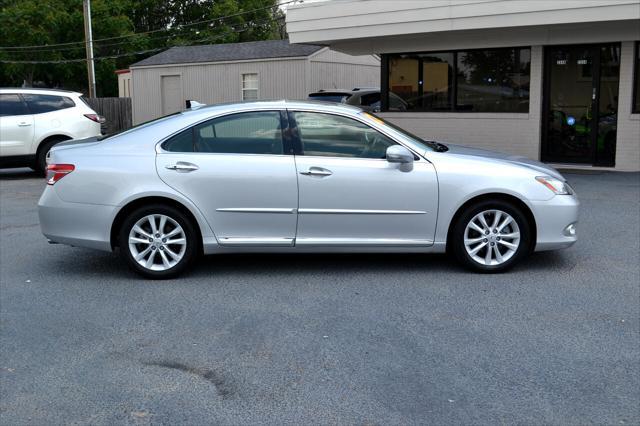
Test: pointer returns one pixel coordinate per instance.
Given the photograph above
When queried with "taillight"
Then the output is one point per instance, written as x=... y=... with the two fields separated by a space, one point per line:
x=95 y=117
x=55 y=172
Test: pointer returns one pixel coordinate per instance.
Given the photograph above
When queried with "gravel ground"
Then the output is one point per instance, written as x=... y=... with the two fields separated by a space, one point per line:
x=331 y=339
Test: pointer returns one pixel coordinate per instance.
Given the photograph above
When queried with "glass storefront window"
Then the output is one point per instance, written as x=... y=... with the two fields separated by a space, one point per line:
x=490 y=80
x=493 y=80
x=437 y=84
x=403 y=82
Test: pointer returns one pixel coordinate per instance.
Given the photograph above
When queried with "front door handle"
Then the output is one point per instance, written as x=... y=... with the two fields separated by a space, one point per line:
x=317 y=171
x=182 y=166
x=24 y=124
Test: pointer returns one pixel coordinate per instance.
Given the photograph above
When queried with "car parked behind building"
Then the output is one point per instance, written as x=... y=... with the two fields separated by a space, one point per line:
x=367 y=98
x=32 y=121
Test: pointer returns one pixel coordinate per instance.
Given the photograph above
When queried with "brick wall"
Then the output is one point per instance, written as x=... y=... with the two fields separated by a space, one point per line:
x=628 y=144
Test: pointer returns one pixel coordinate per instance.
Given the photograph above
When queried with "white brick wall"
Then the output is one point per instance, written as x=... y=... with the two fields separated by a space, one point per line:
x=628 y=144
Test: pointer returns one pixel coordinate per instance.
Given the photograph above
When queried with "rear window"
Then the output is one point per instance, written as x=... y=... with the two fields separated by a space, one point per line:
x=39 y=104
x=12 y=104
x=329 y=97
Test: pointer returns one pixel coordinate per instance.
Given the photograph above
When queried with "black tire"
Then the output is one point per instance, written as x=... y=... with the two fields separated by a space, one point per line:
x=190 y=252
x=41 y=155
x=457 y=244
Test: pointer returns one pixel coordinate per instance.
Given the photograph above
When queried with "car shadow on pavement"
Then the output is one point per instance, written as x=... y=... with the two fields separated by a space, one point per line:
x=17 y=174
x=557 y=260
x=294 y=263
x=110 y=266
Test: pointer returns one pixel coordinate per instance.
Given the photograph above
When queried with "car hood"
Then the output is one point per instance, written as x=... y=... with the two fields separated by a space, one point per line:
x=514 y=159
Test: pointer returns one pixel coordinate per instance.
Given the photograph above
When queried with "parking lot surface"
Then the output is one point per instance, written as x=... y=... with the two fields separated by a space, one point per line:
x=323 y=339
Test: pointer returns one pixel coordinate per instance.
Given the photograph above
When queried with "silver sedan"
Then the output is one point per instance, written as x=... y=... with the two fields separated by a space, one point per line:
x=281 y=176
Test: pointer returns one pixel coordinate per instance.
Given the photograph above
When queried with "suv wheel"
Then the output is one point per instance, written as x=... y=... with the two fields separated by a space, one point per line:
x=41 y=155
x=158 y=241
x=491 y=236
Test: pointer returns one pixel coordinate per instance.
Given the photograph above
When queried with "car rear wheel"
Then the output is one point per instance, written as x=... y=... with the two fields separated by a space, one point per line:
x=158 y=241
x=491 y=236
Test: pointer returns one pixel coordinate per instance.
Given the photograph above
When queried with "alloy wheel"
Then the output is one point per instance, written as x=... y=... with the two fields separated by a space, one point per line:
x=157 y=242
x=492 y=237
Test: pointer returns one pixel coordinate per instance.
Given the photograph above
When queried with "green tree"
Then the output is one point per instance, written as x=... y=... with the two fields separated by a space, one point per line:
x=149 y=25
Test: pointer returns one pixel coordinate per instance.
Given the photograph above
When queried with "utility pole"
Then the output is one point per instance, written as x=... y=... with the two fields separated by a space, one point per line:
x=89 y=47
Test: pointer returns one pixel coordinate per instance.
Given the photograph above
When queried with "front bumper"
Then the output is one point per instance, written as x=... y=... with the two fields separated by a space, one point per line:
x=553 y=220
x=76 y=224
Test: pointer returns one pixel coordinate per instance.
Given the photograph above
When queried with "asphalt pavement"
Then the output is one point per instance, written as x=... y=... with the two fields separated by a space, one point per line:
x=323 y=339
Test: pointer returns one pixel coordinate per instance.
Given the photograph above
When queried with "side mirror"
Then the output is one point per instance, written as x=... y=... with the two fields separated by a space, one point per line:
x=399 y=154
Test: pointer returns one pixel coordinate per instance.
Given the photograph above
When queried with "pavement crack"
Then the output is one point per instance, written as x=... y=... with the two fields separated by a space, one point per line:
x=222 y=385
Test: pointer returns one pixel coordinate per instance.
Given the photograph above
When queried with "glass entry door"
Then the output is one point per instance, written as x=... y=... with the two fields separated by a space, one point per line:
x=581 y=104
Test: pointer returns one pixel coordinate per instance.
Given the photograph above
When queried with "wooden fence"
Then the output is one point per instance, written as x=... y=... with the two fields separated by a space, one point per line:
x=117 y=112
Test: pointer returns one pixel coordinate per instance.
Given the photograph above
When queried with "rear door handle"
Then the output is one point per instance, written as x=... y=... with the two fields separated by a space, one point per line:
x=182 y=166
x=317 y=171
x=24 y=124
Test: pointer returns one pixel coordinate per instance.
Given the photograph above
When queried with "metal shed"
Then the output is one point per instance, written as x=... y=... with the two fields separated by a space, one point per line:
x=271 y=69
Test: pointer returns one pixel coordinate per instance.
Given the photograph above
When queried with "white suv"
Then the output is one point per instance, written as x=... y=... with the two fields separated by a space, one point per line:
x=34 y=120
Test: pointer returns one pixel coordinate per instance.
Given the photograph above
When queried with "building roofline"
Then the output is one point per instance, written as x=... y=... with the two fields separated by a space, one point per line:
x=238 y=61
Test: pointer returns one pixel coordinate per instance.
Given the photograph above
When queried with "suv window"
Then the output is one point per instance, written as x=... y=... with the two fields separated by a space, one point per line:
x=39 y=104
x=370 y=99
x=243 y=133
x=329 y=135
x=12 y=104
x=329 y=97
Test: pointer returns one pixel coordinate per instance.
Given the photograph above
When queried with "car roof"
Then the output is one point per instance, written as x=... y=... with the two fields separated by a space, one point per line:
x=230 y=107
x=39 y=90
x=178 y=121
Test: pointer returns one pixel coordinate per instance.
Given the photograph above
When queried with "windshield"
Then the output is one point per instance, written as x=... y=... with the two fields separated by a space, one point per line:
x=433 y=145
x=137 y=126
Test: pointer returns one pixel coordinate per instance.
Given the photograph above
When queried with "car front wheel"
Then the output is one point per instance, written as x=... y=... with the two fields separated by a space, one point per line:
x=158 y=242
x=491 y=236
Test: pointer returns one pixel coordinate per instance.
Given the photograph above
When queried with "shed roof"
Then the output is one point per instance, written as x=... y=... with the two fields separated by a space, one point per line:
x=229 y=52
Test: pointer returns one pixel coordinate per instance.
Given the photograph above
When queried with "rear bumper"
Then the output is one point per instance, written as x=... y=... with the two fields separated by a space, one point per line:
x=552 y=219
x=76 y=224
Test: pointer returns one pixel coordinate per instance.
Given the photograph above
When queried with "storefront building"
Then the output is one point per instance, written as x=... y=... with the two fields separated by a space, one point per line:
x=554 y=80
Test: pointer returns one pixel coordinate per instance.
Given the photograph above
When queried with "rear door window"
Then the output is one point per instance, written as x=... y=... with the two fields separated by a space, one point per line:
x=39 y=104
x=12 y=104
x=258 y=132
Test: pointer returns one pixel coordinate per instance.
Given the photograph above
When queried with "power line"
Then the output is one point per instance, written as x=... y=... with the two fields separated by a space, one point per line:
x=141 y=52
x=167 y=37
x=46 y=47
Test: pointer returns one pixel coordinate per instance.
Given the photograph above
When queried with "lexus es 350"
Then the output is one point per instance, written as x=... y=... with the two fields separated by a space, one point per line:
x=282 y=176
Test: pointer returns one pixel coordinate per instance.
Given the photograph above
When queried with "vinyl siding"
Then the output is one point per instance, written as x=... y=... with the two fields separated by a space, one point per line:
x=216 y=83
x=367 y=21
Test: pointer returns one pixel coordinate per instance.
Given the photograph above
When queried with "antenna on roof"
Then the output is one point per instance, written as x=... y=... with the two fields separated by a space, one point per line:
x=193 y=104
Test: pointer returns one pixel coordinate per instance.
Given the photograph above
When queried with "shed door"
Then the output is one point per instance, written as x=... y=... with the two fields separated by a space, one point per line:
x=171 y=94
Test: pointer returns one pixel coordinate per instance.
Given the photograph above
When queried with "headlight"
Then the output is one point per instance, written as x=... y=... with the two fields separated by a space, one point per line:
x=557 y=186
